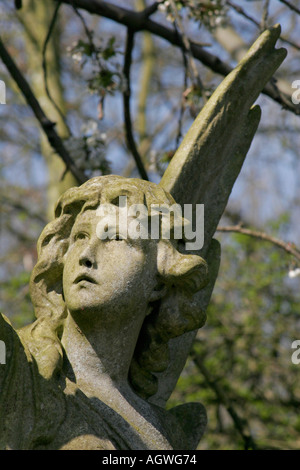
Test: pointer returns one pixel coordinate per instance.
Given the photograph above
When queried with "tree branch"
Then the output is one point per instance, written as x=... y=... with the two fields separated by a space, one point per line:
x=126 y=102
x=19 y=206
x=138 y=21
x=18 y=4
x=48 y=126
x=288 y=247
x=148 y=11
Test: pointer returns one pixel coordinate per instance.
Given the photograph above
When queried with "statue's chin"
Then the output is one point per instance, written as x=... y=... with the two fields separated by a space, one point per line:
x=104 y=312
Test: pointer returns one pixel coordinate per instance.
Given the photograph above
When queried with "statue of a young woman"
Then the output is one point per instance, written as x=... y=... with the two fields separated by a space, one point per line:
x=80 y=375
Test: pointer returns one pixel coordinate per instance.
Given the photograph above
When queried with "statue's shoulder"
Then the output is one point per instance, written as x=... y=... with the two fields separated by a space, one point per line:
x=185 y=424
x=15 y=357
x=5 y=327
x=31 y=407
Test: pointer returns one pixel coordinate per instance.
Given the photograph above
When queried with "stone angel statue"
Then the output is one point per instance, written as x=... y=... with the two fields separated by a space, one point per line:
x=115 y=318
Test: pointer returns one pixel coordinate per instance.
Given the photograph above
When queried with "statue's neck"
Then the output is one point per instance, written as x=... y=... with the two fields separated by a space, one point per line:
x=98 y=355
x=100 y=359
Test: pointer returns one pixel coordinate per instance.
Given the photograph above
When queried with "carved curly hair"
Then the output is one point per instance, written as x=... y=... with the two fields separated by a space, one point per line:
x=176 y=313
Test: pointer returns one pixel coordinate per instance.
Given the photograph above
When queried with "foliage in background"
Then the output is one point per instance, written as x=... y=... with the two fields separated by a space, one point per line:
x=245 y=348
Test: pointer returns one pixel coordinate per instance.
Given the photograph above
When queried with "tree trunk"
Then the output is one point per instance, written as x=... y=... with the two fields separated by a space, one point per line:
x=36 y=18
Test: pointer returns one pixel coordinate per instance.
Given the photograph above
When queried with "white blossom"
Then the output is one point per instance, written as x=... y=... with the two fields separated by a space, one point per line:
x=294 y=273
x=89 y=128
x=77 y=57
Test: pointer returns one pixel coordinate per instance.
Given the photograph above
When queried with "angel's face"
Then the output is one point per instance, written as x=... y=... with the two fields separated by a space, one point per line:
x=113 y=276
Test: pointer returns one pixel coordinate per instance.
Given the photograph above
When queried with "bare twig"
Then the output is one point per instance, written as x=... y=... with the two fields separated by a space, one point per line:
x=288 y=247
x=183 y=101
x=265 y=15
x=126 y=102
x=90 y=38
x=243 y=13
x=192 y=68
x=48 y=126
x=291 y=6
x=88 y=33
x=222 y=399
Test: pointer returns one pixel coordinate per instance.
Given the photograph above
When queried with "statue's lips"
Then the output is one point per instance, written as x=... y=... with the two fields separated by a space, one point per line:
x=84 y=277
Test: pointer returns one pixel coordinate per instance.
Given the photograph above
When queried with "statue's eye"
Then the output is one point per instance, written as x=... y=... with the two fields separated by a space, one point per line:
x=80 y=236
x=47 y=239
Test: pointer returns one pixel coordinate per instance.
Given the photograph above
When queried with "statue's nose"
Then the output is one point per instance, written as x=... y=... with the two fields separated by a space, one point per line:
x=87 y=257
x=86 y=262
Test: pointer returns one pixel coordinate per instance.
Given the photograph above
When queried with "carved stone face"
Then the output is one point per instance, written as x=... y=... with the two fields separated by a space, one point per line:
x=107 y=277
